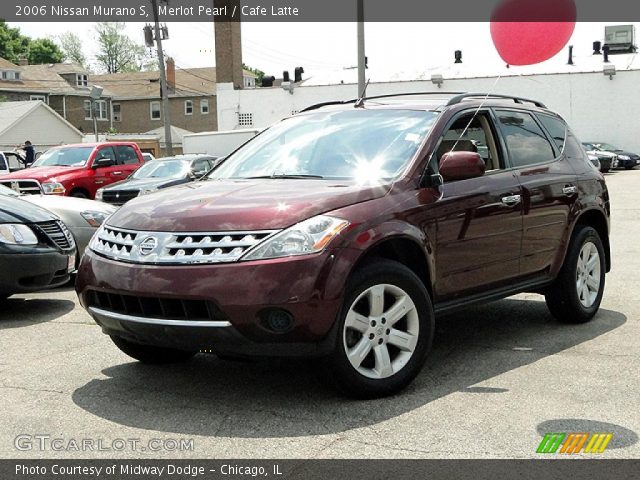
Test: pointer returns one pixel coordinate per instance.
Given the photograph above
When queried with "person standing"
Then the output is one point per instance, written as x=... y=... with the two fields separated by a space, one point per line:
x=29 y=154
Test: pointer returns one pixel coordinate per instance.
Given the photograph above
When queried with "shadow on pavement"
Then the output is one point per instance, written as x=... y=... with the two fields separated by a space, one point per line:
x=18 y=312
x=282 y=398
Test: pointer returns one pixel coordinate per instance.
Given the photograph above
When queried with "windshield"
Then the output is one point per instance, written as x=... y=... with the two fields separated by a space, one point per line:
x=606 y=146
x=64 y=157
x=7 y=191
x=364 y=145
x=160 y=169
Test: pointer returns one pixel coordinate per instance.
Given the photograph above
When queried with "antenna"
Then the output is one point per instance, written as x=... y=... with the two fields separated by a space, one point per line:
x=360 y=100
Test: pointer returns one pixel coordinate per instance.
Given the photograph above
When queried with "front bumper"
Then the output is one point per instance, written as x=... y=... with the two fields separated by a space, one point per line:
x=30 y=272
x=308 y=287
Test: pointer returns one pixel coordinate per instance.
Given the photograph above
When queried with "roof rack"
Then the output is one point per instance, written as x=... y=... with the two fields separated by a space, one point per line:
x=374 y=97
x=459 y=98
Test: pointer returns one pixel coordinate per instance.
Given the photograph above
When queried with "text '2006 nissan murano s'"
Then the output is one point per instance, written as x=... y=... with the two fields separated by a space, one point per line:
x=341 y=232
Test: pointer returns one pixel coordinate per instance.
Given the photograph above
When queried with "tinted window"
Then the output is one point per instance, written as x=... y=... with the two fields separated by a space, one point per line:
x=106 y=152
x=3 y=163
x=556 y=127
x=126 y=155
x=526 y=142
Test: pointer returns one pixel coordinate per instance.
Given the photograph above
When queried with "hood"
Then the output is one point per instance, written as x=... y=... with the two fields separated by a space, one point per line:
x=43 y=173
x=228 y=205
x=143 y=183
x=16 y=210
x=57 y=204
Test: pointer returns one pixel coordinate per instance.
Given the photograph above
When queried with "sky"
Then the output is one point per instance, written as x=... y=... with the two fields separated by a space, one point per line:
x=324 y=47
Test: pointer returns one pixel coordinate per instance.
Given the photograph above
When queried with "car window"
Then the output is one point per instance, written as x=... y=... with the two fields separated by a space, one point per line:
x=526 y=142
x=106 y=152
x=127 y=155
x=556 y=128
x=162 y=169
x=3 y=163
x=201 y=166
x=64 y=157
x=473 y=133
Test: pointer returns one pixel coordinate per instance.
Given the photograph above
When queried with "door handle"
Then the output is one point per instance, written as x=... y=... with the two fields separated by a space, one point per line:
x=511 y=200
x=569 y=190
x=117 y=173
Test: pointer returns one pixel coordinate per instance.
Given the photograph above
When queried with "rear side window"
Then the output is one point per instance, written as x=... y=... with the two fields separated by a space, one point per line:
x=526 y=142
x=556 y=128
x=126 y=155
x=3 y=163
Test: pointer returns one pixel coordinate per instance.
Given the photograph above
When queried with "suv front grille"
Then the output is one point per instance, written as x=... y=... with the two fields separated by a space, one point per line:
x=58 y=233
x=155 y=307
x=31 y=187
x=175 y=248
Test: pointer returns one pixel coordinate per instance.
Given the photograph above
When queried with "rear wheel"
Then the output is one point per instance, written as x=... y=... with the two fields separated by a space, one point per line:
x=79 y=194
x=385 y=331
x=576 y=294
x=150 y=353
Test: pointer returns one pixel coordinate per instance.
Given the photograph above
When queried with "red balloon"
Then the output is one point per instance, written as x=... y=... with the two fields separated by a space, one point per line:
x=526 y=32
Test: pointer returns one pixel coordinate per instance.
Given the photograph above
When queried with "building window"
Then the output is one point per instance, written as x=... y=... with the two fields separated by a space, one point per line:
x=42 y=98
x=204 y=107
x=245 y=119
x=82 y=80
x=117 y=112
x=156 y=113
x=16 y=75
x=87 y=110
x=100 y=110
x=188 y=107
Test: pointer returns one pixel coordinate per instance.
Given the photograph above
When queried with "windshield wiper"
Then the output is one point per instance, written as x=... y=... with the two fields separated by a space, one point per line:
x=285 y=175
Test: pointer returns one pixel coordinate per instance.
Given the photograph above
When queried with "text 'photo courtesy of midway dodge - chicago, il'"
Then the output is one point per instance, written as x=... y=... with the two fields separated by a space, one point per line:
x=342 y=232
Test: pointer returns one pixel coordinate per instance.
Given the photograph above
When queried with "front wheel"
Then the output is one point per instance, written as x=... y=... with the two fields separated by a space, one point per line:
x=385 y=331
x=576 y=294
x=150 y=353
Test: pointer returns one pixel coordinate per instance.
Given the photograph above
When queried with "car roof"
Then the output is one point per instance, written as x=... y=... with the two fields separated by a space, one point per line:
x=185 y=157
x=94 y=144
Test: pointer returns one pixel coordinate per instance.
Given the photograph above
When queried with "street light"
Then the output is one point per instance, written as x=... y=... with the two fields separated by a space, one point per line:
x=96 y=93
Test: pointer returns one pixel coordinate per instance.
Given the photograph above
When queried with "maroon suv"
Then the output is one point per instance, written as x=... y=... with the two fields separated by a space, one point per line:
x=342 y=232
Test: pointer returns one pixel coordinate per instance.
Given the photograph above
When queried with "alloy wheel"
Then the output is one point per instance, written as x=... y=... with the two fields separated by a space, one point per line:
x=381 y=331
x=588 y=274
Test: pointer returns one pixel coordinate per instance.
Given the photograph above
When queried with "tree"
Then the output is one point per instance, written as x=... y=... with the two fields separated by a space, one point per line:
x=116 y=51
x=72 y=48
x=258 y=73
x=44 y=51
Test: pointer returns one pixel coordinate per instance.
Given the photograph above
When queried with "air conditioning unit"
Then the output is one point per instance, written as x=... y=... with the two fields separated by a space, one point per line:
x=620 y=39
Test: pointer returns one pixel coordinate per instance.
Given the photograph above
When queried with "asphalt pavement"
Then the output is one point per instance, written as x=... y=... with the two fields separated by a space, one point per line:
x=499 y=378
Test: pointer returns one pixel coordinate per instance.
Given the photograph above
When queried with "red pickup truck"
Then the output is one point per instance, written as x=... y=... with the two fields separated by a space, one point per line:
x=77 y=170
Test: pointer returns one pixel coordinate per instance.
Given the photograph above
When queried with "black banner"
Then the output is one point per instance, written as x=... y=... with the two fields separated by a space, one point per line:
x=582 y=469
x=319 y=11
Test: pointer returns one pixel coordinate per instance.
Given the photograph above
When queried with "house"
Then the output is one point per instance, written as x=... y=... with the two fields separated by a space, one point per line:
x=34 y=121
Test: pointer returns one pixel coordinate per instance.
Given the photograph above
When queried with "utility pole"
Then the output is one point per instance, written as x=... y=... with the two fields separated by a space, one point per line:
x=166 y=117
x=361 y=54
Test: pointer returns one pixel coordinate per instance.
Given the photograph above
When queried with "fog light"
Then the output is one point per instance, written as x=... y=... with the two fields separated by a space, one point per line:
x=277 y=320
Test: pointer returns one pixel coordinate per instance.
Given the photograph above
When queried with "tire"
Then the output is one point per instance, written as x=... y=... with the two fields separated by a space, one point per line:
x=379 y=374
x=605 y=170
x=567 y=298
x=150 y=353
x=78 y=194
x=629 y=167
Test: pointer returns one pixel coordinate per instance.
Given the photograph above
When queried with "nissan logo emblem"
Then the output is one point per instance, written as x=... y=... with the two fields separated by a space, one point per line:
x=148 y=245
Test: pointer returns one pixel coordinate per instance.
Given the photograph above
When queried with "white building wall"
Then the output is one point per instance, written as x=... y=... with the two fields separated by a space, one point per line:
x=597 y=108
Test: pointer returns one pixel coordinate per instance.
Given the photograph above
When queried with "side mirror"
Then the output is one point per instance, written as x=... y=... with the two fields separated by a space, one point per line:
x=461 y=166
x=102 y=162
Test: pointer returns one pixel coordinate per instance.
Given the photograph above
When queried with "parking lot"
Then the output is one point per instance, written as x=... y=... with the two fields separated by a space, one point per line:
x=499 y=378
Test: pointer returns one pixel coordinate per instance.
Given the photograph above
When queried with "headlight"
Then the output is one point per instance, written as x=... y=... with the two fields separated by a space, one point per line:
x=17 y=234
x=95 y=219
x=99 y=194
x=624 y=157
x=310 y=236
x=51 y=188
x=146 y=191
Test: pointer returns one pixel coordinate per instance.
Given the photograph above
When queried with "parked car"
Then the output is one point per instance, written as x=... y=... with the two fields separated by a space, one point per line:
x=77 y=170
x=36 y=249
x=10 y=161
x=159 y=174
x=607 y=160
x=341 y=233
x=626 y=160
x=81 y=216
x=596 y=162
x=148 y=156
